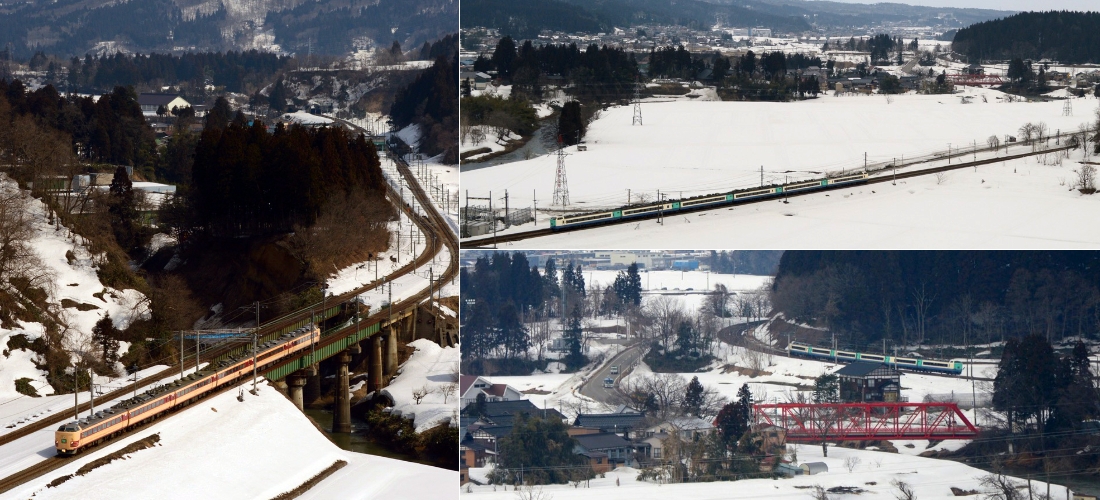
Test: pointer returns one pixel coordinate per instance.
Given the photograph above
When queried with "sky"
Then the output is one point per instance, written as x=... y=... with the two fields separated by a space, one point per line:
x=999 y=4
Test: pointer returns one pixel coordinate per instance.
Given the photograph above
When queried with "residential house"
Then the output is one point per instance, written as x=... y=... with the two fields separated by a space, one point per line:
x=622 y=421
x=470 y=386
x=618 y=450
x=651 y=441
x=862 y=382
x=150 y=103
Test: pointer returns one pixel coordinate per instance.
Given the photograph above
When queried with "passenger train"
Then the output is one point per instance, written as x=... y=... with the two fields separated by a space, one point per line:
x=75 y=436
x=914 y=364
x=671 y=207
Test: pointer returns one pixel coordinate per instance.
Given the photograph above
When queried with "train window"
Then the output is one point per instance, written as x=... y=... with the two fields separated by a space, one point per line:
x=753 y=193
x=903 y=361
x=872 y=357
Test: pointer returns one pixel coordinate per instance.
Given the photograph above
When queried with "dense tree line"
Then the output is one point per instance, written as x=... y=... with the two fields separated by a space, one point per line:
x=236 y=71
x=944 y=296
x=599 y=74
x=1067 y=37
x=247 y=181
x=108 y=130
x=503 y=292
x=1035 y=385
x=431 y=102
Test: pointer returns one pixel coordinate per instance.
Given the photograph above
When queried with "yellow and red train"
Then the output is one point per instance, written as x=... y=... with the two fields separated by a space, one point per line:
x=73 y=437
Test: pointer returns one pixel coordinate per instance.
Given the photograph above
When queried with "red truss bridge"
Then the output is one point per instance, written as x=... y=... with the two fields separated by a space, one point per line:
x=808 y=422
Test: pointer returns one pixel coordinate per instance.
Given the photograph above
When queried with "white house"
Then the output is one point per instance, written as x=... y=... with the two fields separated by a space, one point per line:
x=471 y=385
x=150 y=103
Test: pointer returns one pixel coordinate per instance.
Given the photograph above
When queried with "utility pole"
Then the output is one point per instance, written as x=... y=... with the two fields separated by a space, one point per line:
x=181 y=355
x=895 y=163
x=761 y=176
x=91 y=390
x=254 y=367
x=197 y=337
x=535 y=211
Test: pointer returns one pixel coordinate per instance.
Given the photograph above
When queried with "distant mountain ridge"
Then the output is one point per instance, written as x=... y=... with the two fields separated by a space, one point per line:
x=78 y=27
x=525 y=18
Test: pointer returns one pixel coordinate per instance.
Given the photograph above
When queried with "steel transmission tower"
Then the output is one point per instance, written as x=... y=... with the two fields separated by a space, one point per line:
x=637 y=104
x=561 y=184
x=1067 y=108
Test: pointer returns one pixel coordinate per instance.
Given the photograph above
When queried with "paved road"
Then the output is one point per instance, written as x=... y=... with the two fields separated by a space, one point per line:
x=625 y=360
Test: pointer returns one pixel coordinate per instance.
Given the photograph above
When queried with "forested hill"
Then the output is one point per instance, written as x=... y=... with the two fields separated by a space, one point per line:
x=524 y=19
x=77 y=27
x=940 y=296
x=1068 y=37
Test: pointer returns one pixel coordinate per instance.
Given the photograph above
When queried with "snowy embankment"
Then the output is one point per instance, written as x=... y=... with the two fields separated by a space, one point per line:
x=441 y=183
x=484 y=136
x=433 y=369
x=78 y=299
x=873 y=472
x=223 y=448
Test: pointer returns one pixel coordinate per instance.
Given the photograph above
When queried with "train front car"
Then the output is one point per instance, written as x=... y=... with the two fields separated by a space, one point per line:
x=67 y=439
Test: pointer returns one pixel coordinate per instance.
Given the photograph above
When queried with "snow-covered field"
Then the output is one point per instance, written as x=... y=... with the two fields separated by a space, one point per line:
x=1017 y=204
x=677 y=284
x=931 y=479
x=691 y=148
x=223 y=448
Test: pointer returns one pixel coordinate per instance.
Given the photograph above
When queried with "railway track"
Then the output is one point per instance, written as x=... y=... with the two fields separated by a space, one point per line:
x=507 y=238
x=286 y=322
x=433 y=224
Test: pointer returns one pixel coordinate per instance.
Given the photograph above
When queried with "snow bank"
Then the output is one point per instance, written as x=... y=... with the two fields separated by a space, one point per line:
x=430 y=367
x=223 y=448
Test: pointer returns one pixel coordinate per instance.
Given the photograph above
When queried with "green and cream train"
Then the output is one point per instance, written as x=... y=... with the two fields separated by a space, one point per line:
x=914 y=364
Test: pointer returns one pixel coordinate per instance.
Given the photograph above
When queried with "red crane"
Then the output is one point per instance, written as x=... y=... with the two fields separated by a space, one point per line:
x=808 y=422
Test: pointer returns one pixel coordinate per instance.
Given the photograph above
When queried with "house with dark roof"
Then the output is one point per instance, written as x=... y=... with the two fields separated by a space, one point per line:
x=617 y=449
x=862 y=382
x=621 y=422
x=482 y=430
x=470 y=386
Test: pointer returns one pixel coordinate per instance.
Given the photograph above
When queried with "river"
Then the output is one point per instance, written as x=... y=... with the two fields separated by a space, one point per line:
x=357 y=440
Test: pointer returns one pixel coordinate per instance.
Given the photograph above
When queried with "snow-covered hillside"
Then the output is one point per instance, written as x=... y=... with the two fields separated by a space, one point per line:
x=224 y=448
x=76 y=296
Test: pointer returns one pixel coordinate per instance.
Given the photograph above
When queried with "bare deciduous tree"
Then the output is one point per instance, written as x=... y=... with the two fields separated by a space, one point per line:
x=448 y=390
x=530 y=492
x=419 y=394
x=905 y=492
x=1000 y=487
x=1086 y=179
x=851 y=463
